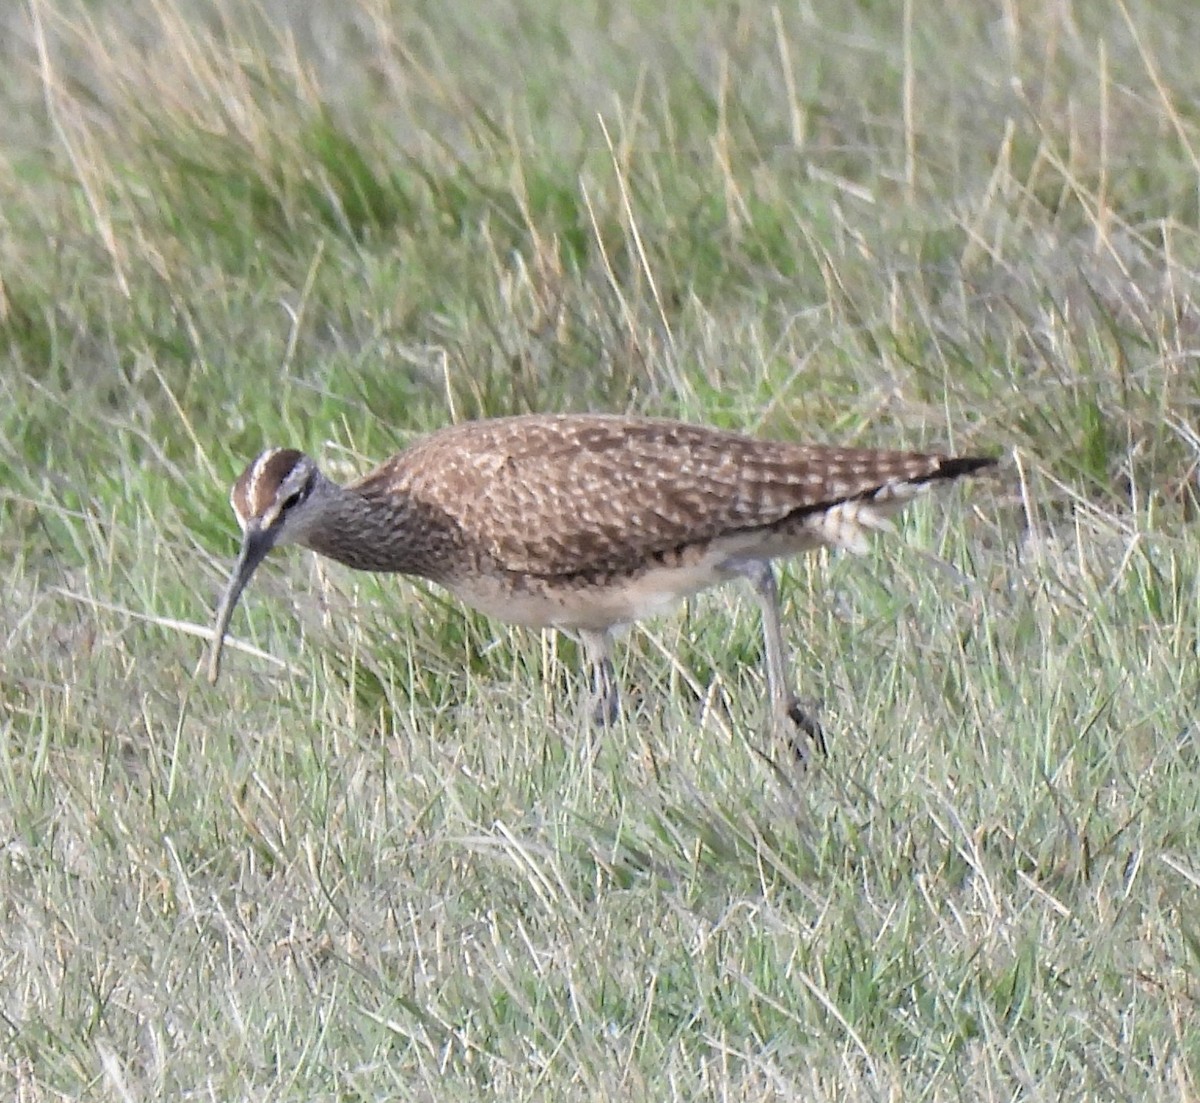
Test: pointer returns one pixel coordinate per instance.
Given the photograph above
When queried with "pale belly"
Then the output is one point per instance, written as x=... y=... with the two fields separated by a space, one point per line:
x=596 y=603
x=536 y=603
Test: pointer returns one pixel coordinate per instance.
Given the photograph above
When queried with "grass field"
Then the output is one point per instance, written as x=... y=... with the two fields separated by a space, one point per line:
x=377 y=862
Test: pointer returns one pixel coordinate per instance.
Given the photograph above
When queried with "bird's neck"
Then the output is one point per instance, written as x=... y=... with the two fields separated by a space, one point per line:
x=373 y=531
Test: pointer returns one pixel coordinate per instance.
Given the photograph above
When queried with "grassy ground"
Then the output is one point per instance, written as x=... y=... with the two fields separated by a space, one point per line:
x=378 y=864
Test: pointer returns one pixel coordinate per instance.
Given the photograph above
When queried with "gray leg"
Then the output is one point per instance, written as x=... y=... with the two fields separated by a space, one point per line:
x=606 y=698
x=787 y=715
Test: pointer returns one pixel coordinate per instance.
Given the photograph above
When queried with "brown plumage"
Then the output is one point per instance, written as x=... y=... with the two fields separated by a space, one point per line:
x=584 y=522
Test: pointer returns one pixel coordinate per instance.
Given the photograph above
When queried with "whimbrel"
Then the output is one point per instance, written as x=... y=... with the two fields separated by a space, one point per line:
x=585 y=523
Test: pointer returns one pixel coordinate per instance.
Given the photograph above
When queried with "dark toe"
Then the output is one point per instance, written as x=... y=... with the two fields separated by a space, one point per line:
x=807 y=729
x=606 y=710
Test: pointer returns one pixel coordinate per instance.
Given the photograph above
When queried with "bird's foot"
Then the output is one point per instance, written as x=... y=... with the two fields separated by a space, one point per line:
x=605 y=708
x=605 y=698
x=797 y=725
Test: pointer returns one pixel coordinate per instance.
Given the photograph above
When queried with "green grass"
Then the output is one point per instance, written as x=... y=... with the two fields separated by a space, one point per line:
x=382 y=866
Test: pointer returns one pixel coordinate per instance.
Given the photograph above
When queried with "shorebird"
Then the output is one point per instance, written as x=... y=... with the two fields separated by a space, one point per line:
x=586 y=523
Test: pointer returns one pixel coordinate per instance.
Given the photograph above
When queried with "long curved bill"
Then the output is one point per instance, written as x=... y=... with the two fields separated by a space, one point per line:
x=255 y=545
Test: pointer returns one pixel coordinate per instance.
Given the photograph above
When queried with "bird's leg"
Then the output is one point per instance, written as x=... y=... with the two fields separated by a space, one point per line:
x=788 y=717
x=606 y=698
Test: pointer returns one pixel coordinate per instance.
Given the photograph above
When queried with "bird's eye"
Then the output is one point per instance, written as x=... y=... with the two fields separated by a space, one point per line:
x=290 y=501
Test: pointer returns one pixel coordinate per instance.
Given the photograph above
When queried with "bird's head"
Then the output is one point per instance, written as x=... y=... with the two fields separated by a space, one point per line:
x=276 y=501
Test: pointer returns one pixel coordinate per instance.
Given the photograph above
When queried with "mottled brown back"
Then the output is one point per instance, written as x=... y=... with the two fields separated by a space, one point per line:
x=551 y=495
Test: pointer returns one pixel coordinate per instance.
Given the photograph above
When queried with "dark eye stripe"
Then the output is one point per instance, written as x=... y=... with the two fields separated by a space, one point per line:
x=259 y=484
